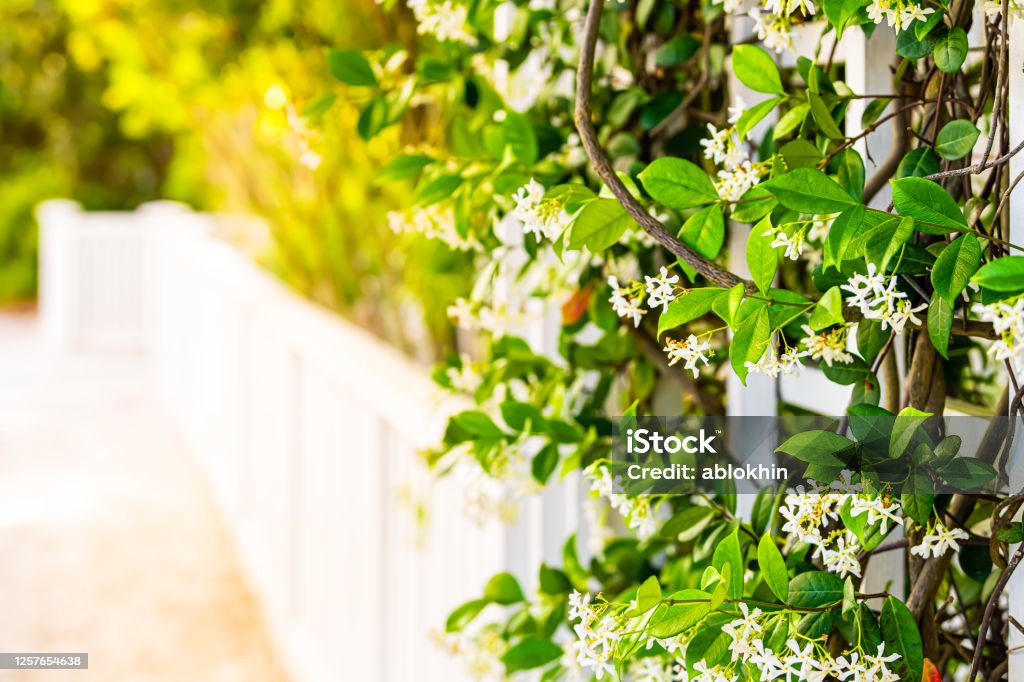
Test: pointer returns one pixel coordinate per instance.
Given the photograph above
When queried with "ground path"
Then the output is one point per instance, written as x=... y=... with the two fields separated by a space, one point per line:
x=109 y=541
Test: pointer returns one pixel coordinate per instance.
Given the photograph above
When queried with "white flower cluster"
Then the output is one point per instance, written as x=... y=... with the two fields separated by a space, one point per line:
x=809 y=513
x=661 y=290
x=691 y=351
x=774 y=364
x=897 y=13
x=479 y=653
x=474 y=316
x=597 y=635
x=445 y=20
x=827 y=346
x=878 y=299
x=738 y=174
x=627 y=301
x=635 y=511
x=436 y=221
x=1007 y=318
x=808 y=664
x=939 y=541
x=535 y=215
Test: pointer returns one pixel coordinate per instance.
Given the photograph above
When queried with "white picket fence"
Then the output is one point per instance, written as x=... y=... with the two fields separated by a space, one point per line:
x=307 y=428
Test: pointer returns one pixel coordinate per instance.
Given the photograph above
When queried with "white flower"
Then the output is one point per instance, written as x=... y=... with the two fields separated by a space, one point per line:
x=436 y=221
x=660 y=289
x=536 y=215
x=878 y=299
x=691 y=351
x=939 y=541
x=826 y=346
x=716 y=147
x=737 y=110
x=878 y=509
x=794 y=244
x=445 y=20
x=733 y=183
x=743 y=632
x=842 y=560
x=902 y=314
x=772 y=364
x=1007 y=318
x=625 y=305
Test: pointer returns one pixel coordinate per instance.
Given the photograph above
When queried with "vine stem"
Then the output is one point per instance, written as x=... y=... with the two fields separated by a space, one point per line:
x=582 y=115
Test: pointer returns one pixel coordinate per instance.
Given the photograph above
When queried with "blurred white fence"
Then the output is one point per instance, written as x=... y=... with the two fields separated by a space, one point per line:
x=307 y=428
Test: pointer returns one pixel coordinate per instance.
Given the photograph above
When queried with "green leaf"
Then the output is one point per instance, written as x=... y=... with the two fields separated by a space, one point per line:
x=823 y=117
x=478 y=424
x=773 y=567
x=648 y=595
x=402 y=167
x=956 y=139
x=940 y=324
x=841 y=234
x=554 y=581
x=709 y=644
x=951 y=50
x=800 y=153
x=756 y=69
x=815 y=588
x=438 y=189
x=839 y=12
x=791 y=120
x=955 y=266
x=705 y=231
x=728 y=553
x=752 y=116
x=850 y=172
x=907 y=422
x=918 y=497
x=817 y=447
x=677 y=50
x=1002 y=274
x=544 y=463
x=688 y=306
x=918 y=163
x=678 y=184
x=762 y=257
x=464 y=615
x=808 y=190
x=756 y=204
x=520 y=416
x=967 y=473
x=749 y=341
x=503 y=588
x=903 y=232
x=600 y=224
x=351 y=68
x=899 y=630
x=829 y=310
x=926 y=202
x=532 y=652
x=679 y=617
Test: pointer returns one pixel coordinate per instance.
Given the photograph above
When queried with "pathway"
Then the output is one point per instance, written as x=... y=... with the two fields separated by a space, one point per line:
x=109 y=542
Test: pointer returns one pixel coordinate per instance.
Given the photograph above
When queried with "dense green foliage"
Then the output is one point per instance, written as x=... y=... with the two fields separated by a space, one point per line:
x=623 y=196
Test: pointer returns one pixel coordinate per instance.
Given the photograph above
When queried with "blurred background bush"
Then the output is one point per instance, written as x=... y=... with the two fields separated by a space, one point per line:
x=118 y=102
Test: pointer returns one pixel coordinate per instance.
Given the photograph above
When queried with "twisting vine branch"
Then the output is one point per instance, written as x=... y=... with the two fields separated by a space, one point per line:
x=583 y=116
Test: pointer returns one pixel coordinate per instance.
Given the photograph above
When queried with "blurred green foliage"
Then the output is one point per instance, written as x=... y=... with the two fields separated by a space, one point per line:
x=118 y=102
